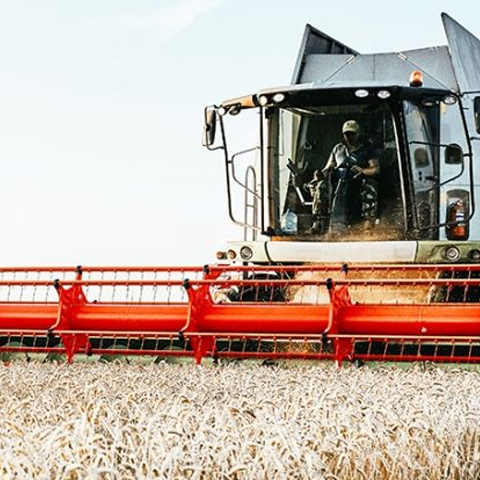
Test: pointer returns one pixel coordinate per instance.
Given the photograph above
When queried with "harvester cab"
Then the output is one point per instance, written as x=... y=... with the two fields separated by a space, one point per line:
x=402 y=191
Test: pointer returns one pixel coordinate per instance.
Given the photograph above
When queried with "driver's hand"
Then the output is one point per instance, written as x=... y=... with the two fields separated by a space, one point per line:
x=357 y=171
x=297 y=181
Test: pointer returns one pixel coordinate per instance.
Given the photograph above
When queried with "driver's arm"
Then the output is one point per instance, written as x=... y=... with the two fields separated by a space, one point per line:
x=331 y=162
x=370 y=171
x=373 y=168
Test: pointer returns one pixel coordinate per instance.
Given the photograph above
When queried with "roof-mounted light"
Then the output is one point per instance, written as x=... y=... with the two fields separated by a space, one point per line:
x=278 y=98
x=222 y=111
x=384 y=94
x=416 y=78
x=234 y=109
x=262 y=100
x=449 y=99
x=361 y=93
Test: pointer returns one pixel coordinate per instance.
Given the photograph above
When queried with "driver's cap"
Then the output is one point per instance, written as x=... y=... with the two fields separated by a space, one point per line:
x=351 y=126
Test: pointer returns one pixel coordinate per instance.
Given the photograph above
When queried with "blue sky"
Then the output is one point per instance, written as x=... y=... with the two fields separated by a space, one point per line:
x=101 y=106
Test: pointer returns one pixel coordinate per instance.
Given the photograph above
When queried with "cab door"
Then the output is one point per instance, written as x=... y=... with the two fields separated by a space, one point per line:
x=422 y=137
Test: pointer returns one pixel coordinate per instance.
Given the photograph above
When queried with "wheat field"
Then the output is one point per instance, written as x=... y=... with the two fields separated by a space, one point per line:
x=238 y=421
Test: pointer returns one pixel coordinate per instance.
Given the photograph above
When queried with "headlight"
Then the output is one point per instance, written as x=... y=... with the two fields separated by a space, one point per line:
x=452 y=254
x=262 y=100
x=234 y=110
x=474 y=255
x=246 y=253
x=449 y=99
x=361 y=93
x=383 y=94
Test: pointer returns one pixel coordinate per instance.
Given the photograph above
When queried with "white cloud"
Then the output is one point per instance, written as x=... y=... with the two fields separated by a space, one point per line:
x=163 y=23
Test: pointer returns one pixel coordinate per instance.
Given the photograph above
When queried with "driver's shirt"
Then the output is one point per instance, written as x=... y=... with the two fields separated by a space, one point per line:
x=340 y=153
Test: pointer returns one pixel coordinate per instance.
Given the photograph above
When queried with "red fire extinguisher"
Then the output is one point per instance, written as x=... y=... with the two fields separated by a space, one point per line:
x=457 y=217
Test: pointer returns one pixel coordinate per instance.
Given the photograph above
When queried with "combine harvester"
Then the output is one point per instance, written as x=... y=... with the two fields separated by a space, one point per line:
x=347 y=261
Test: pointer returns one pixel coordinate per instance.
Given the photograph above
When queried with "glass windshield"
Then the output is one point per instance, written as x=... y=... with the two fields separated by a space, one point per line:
x=334 y=172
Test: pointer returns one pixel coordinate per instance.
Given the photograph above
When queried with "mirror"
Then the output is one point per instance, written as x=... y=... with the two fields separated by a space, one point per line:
x=209 y=126
x=420 y=157
x=476 y=110
x=453 y=154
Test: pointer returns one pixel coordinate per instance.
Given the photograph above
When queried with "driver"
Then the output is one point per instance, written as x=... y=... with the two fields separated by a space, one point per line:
x=362 y=160
x=352 y=146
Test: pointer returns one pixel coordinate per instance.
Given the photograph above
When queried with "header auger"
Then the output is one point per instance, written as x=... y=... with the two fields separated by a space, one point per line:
x=360 y=313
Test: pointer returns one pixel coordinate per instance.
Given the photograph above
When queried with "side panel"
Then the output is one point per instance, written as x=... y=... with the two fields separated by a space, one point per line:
x=454 y=177
x=465 y=51
x=475 y=146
